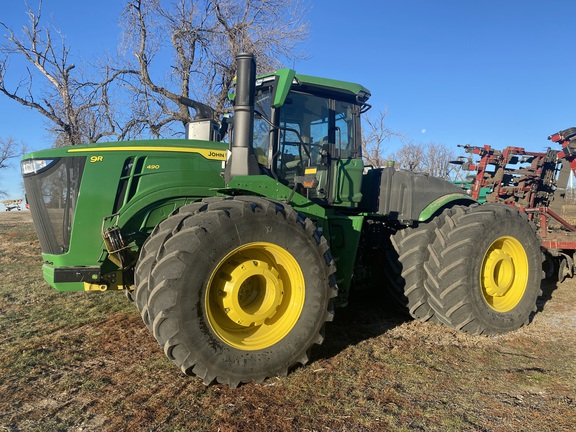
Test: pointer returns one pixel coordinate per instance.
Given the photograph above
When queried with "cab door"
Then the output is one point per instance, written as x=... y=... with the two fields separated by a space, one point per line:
x=340 y=167
x=320 y=139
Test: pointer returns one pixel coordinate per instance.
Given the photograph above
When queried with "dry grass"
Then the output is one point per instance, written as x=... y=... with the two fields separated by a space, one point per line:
x=74 y=362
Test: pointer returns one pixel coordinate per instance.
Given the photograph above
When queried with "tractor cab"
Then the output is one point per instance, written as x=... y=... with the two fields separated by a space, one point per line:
x=307 y=135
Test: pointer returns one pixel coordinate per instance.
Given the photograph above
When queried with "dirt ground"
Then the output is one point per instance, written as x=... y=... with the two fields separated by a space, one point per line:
x=15 y=216
x=86 y=362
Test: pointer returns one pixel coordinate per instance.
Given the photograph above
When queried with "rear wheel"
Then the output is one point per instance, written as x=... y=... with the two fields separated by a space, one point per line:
x=405 y=268
x=485 y=269
x=238 y=289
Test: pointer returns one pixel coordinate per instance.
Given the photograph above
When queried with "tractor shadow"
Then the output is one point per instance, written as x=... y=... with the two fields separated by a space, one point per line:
x=369 y=314
x=548 y=287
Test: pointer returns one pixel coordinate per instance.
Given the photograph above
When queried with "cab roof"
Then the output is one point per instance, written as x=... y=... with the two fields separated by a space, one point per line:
x=286 y=79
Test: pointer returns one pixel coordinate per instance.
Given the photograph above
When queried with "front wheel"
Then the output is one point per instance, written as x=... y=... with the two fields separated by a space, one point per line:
x=238 y=289
x=485 y=269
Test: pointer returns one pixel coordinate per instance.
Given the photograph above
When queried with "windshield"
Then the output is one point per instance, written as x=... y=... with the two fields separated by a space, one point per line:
x=320 y=121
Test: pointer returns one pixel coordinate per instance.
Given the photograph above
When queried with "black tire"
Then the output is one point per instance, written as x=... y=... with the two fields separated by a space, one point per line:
x=152 y=245
x=485 y=269
x=237 y=289
x=405 y=268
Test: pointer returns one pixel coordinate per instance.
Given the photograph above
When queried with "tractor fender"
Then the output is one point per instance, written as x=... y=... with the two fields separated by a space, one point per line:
x=444 y=201
x=146 y=211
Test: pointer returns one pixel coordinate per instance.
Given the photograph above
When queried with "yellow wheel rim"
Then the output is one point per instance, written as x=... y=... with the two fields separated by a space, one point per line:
x=504 y=274
x=255 y=296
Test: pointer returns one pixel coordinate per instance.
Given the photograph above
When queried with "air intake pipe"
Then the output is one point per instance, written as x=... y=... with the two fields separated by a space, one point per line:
x=242 y=160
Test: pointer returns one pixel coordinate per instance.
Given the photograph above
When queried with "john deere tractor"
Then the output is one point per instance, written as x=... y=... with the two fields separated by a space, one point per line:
x=236 y=254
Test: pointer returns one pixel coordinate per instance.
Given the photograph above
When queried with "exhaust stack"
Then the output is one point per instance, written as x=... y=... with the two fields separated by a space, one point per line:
x=242 y=160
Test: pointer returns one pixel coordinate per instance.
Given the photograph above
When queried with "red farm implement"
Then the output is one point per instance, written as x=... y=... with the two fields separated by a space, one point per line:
x=534 y=182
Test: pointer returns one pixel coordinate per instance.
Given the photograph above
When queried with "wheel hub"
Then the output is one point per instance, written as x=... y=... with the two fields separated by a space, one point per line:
x=255 y=296
x=499 y=273
x=253 y=292
x=504 y=274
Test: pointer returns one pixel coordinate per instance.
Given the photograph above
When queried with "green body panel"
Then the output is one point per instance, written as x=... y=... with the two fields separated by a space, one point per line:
x=268 y=187
x=344 y=237
x=348 y=182
x=164 y=175
x=285 y=78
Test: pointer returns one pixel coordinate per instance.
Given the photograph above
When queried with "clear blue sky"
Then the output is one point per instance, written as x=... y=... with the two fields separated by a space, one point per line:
x=448 y=71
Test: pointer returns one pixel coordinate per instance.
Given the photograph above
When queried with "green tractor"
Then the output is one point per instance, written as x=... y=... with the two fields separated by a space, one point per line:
x=236 y=254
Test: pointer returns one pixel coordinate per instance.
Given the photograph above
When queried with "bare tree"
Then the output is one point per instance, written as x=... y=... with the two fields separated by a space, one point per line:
x=200 y=39
x=437 y=162
x=410 y=156
x=431 y=158
x=203 y=38
x=9 y=149
x=77 y=107
x=375 y=135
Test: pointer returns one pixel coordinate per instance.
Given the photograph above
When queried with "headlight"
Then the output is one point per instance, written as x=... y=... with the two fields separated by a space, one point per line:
x=34 y=166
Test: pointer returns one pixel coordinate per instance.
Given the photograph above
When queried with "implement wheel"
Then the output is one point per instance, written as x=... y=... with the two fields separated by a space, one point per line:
x=485 y=269
x=238 y=289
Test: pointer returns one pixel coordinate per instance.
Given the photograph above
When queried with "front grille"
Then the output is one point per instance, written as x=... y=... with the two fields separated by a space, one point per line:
x=52 y=194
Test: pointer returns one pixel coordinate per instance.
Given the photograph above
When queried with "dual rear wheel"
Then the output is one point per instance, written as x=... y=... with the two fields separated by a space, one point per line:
x=477 y=269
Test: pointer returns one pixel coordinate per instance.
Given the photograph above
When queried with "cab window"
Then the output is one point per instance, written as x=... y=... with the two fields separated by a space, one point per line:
x=261 y=140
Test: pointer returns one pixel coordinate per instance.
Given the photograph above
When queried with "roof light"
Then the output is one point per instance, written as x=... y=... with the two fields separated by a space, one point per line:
x=33 y=166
